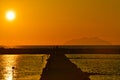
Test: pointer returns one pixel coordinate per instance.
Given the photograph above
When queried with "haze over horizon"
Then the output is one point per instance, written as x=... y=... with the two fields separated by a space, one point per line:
x=54 y=22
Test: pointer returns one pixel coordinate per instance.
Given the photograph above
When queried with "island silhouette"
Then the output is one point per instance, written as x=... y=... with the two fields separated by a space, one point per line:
x=88 y=41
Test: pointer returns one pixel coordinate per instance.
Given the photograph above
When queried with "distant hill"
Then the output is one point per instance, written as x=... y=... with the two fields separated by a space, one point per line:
x=88 y=41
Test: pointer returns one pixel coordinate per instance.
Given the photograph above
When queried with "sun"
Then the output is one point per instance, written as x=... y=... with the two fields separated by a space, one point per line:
x=10 y=15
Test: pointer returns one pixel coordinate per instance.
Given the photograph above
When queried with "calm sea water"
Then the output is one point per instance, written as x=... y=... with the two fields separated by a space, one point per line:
x=29 y=67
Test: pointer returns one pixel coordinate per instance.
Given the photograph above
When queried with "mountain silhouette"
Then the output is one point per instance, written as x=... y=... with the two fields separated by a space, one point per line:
x=87 y=41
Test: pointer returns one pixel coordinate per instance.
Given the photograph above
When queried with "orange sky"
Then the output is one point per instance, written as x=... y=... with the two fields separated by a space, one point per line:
x=45 y=22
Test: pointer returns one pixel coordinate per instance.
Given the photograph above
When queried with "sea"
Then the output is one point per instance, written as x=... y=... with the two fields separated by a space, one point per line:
x=30 y=66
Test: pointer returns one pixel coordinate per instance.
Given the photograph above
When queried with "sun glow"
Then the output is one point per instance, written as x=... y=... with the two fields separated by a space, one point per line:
x=10 y=15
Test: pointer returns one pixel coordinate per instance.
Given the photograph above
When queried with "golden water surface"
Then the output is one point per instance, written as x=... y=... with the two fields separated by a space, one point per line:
x=9 y=64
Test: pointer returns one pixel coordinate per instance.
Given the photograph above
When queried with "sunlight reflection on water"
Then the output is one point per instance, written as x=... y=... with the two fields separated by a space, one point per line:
x=29 y=67
x=9 y=62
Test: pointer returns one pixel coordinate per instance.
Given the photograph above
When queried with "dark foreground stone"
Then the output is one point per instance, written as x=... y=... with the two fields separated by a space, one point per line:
x=59 y=67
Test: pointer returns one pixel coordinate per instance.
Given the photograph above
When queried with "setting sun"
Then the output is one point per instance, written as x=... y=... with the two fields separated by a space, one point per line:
x=10 y=15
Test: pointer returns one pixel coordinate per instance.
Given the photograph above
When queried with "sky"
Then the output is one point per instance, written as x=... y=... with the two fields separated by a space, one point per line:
x=53 y=22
